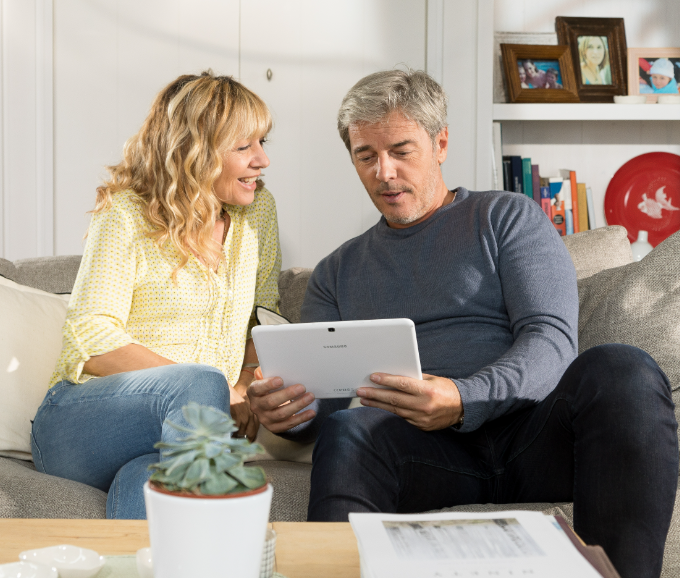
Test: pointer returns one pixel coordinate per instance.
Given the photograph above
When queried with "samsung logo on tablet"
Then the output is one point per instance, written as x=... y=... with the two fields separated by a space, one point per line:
x=333 y=346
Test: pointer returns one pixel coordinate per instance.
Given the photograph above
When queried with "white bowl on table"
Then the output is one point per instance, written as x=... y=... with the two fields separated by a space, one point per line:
x=27 y=570
x=70 y=561
x=669 y=99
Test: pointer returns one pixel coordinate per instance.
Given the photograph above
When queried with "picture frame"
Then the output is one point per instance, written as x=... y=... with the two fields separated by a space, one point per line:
x=539 y=73
x=638 y=77
x=599 y=55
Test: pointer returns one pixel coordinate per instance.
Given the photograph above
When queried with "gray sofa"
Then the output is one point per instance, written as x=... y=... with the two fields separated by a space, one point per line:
x=620 y=301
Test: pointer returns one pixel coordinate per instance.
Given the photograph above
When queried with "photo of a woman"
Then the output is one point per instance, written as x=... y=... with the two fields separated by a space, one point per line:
x=594 y=60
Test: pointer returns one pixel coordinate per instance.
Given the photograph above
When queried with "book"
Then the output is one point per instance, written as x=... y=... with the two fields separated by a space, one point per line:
x=583 y=206
x=591 y=208
x=509 y=543
x=527 y=180
x=572 y=205
x=536 y=183
x=497 y=158
x=507 y=174
x=515 y=173
x=545 y=201
x=557 y=215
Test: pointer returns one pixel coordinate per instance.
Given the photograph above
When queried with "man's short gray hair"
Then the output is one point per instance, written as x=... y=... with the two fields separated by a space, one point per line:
x=412 y=92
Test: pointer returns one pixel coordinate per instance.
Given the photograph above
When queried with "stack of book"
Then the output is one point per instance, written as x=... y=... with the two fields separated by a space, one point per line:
x=492 y=544
x=566 y=202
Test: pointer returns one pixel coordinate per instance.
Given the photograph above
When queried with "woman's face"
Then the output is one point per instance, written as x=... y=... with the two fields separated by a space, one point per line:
x=659 y=80
x=242 y=164
x=594 y=51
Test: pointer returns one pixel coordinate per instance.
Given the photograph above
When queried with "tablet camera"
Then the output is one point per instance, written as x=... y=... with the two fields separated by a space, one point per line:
x=331 y=329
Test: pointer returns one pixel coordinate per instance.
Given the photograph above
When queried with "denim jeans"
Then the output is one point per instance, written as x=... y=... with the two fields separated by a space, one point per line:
x=102 y=432
x=605 y=438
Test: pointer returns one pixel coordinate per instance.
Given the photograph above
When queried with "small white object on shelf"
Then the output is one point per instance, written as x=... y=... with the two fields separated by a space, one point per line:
x=631 y=99
x=70 y=561
x=144 y=563
x=641 y=247
x=27 y=570
x=669 y=99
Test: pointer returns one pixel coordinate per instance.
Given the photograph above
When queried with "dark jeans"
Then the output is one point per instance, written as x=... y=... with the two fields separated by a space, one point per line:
x=606 y=438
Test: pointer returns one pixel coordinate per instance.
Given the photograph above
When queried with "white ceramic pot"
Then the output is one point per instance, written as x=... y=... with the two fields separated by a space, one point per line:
x=210 y=537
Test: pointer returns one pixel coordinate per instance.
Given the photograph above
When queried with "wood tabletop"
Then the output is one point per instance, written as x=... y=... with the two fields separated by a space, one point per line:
x=303 y=549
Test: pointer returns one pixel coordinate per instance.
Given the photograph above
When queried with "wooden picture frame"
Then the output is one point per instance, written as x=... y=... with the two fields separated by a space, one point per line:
x=636 y=71
x=599 y=53
x=545 y=65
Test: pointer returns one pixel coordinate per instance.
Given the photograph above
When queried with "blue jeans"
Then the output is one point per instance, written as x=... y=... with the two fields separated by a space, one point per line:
x=102 y=432
x=605 y=438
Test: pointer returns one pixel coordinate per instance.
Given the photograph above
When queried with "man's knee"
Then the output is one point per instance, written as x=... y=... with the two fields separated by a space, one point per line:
x=624 y=380
x=350 y=430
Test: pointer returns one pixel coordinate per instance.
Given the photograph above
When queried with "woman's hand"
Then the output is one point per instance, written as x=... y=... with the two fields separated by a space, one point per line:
x=241 y=413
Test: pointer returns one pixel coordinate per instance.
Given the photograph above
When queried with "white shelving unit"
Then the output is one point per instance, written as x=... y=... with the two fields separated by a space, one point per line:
x=585 y=112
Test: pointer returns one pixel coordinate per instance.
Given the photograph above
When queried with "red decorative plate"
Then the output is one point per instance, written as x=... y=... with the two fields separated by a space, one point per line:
x=644 y=194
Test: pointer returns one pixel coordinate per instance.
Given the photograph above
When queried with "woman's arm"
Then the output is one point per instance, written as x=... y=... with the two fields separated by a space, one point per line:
x=239 y=402
x=127 y=358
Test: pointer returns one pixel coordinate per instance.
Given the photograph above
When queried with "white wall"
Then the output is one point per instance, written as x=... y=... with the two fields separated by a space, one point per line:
x=595 y=150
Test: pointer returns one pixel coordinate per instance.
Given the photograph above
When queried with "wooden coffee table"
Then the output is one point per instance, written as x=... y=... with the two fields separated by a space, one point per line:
x=303 y=549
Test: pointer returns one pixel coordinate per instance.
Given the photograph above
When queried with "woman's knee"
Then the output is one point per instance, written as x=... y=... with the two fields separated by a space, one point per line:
x=202 y=384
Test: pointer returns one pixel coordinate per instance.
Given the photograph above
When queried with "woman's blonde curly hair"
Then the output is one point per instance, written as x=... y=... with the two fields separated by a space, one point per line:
x=175 y=158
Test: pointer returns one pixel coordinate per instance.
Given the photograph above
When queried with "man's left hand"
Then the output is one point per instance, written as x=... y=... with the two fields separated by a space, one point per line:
x=430 y=404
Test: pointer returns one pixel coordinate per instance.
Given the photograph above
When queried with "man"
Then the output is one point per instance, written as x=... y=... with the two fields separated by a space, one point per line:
x=506 y=412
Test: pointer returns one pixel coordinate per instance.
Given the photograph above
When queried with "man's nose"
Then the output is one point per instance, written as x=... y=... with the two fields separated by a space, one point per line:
x=386 y=169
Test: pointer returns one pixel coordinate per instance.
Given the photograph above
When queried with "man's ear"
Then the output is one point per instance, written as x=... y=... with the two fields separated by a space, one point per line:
x=441 y=144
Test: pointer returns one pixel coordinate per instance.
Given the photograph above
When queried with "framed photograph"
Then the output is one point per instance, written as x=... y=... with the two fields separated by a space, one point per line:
x=598 y=51
x=537 y=73
x=653 y=71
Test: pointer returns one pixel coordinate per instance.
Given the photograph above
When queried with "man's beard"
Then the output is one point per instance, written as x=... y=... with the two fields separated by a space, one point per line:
x=416 y=211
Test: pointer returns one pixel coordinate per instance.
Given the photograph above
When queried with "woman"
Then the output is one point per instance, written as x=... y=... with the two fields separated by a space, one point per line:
x=182 y=245
x=594 y=58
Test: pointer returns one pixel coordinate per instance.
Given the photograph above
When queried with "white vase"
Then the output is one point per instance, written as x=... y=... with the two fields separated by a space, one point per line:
x=210 y=537
x=641 y=247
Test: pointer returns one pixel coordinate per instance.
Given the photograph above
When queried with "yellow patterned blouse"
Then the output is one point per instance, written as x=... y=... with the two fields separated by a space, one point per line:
x=124 y=292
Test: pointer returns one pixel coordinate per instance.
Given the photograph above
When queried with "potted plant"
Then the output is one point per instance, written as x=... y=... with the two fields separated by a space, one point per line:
x=207 y=512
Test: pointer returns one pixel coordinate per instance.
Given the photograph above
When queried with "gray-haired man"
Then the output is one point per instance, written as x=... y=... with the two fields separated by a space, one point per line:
x=507 y=412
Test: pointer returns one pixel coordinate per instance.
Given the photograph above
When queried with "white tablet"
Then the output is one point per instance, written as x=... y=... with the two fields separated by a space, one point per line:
x=333 y=359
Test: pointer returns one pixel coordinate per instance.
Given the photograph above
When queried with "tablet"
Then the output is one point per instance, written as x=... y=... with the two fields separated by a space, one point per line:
x=333 y=359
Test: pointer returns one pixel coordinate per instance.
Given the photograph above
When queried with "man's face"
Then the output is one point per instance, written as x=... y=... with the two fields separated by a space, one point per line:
x=399 y=167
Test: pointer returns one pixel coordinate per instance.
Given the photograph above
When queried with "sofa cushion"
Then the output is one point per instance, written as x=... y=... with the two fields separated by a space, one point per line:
x=599 y=249
x=30 y=343
x=51 y=274
x=636 y=304
x=292 y=287
x=26 y=493
x=8 y=270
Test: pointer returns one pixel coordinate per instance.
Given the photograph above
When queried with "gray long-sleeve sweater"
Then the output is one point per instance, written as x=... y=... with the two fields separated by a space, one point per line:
x=489 y=285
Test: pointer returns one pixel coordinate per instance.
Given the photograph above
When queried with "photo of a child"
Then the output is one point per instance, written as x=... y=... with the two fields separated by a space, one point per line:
x=659 y=76
x=539 y=74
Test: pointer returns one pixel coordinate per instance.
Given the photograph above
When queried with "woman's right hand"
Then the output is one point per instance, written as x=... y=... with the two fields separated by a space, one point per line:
x=277 y=409
x=245 y=419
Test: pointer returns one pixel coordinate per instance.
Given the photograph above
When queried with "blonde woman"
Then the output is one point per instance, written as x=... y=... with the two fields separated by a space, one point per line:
x=182 y=246
x=594 y=57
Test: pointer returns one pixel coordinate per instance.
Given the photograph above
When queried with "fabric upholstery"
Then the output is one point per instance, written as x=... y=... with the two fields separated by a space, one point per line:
x=7 y=269
x=292 y=287
x=637 y=304
x=291 y=490
x=30 y=341
x=51 y=274
x=26 y=493
x=599 y=249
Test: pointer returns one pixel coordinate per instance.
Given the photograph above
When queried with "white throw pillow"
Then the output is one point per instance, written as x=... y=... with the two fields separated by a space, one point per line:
x=30 y=343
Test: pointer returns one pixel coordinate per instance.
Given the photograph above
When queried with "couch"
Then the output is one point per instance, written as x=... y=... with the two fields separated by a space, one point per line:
x=620 y=301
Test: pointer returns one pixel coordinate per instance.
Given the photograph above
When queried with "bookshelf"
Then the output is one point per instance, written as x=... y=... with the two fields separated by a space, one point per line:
x=585 y=112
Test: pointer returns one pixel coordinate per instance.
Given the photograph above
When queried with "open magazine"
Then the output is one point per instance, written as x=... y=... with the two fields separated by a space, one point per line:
x=457 y=545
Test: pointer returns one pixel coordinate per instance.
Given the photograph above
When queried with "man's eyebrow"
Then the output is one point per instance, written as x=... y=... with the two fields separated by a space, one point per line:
x=360 y=150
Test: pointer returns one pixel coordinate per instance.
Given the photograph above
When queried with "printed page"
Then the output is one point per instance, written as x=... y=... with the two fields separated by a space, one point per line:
x=501 y=544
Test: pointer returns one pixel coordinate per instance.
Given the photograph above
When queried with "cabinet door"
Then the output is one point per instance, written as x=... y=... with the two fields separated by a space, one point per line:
x=110 y=61
x=316 y=51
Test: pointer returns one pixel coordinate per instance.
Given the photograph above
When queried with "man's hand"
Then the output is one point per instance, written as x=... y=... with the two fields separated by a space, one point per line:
x=278 y=410
x=432 y=403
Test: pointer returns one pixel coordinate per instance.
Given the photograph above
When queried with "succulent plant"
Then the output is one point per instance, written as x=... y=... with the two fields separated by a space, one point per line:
x=208 y=460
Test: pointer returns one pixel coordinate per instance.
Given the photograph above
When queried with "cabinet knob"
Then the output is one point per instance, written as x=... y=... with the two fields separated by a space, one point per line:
x=269 y=74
